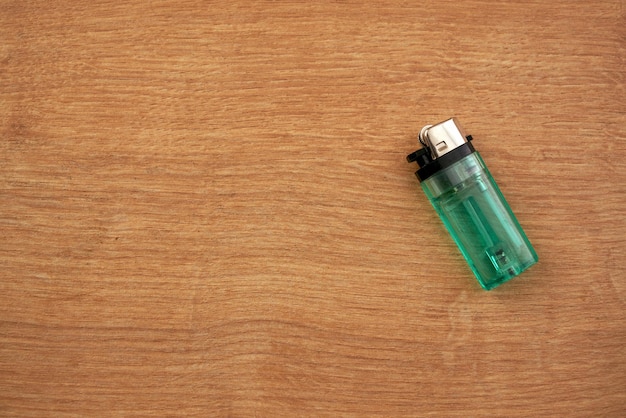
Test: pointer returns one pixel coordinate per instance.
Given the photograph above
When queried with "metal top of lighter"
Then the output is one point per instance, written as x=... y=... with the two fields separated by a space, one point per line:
x=443 y=145
x=470 y=204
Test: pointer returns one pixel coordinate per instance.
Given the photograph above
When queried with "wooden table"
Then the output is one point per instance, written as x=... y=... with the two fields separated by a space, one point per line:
x=205 y=209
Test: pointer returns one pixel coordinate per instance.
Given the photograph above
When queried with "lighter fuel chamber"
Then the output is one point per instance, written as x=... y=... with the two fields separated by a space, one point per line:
x=470 y=204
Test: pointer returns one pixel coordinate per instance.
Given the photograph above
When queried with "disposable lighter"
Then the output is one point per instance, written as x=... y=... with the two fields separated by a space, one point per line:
x=470 y=204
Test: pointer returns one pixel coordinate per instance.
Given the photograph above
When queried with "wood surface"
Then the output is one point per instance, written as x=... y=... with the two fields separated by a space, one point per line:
x=205 y=209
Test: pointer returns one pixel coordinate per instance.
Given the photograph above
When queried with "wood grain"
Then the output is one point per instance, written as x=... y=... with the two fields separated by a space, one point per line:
x=205 y=209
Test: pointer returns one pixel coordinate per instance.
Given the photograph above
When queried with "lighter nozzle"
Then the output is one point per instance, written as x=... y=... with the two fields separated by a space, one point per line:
x=442 y=137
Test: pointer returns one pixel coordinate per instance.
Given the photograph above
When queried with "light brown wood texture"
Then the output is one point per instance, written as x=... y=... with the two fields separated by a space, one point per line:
x=205 y=209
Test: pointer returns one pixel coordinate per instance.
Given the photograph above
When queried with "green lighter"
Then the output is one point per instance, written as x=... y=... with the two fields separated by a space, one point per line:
x=470 y=204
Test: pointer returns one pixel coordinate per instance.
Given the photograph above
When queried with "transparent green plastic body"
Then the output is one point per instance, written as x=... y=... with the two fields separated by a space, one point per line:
x=482 y=224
